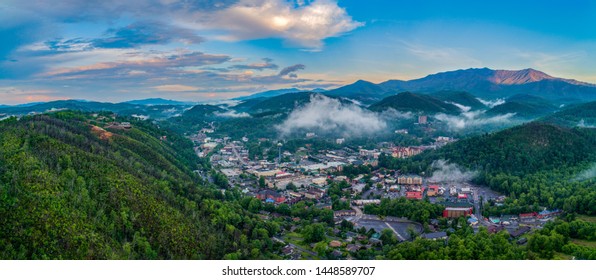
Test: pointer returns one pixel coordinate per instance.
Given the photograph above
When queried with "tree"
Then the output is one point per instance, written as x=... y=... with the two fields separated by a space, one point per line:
x=262 y=182
x=313 y=233
x=388 y=237
x=411 y=231
x=254 y=205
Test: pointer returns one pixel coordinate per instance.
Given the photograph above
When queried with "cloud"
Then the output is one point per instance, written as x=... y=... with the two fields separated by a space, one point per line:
x=175 y=88
x=145 y=63
x=392 y=114
x=582 y=123
x=491 y=103
x=303 y=25
x=446 y=172
x=472 y=119
x=232 y=114
x=13 y=95
x=144 y=33
x=131 y=36
x=291 y=69
x=587 y=174
x=327 y=115
x=463 y=108
x=267 y=64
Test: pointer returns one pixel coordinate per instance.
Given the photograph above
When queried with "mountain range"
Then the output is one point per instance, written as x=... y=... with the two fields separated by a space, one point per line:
x=481 y=82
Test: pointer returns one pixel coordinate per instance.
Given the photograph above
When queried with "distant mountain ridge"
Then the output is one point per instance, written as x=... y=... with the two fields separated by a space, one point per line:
x=481 y=82
x=158 y=101
x=275 y=92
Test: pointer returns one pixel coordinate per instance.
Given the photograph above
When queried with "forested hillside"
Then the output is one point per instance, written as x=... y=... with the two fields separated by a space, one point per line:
x=70 y=189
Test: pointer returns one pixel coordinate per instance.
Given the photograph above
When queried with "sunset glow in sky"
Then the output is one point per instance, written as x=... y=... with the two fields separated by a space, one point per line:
x=214 y=49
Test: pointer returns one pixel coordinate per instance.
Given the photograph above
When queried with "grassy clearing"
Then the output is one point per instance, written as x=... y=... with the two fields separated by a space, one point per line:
x=561 y=256
x=586 y=243
x=591 y=219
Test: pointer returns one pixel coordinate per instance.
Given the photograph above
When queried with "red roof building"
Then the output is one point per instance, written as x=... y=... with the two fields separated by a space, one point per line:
x=528 y=215
x=432 y=190
x=414 y=195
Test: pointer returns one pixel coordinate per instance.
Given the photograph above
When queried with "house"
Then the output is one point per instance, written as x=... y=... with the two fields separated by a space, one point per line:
x=409 y=180
x=374 y=241
x=495 y=228
x=344 y=213
x=544 y=214
x=528 y=217
x=414 y=195
x=432 y=190
x=519 y=232
x=422 y=119
x=435 y=235
x=117 y=125
x=362 y=202
x=522 y=241
x=287 y=250
x=310 y=195
x=404 y=152
x=270 y=196
x=318 y=193
x=456 y=212
x=336 y=254
x=335 y=244
x=324 y=206
x=353 y=248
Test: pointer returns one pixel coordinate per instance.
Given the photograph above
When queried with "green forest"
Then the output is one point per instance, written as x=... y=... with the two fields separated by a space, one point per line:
x=69 y=191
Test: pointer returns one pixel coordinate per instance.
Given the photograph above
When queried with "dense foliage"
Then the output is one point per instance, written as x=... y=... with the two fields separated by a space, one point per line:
x=420 y=211
x=69 y=190
x=411 y=102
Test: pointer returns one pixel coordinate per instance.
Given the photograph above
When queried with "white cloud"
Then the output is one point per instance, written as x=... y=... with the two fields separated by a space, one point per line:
x=450 y=172
x=472 y=119
x=327 y=115
x=587 y=174
x=463 y=108
x=304 y=25
x=491 y=103
x=392 y=114
x=232 y=114
x=582 y=123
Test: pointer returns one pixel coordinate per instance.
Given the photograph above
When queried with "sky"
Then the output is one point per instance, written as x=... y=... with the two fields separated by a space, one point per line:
x=114 y=50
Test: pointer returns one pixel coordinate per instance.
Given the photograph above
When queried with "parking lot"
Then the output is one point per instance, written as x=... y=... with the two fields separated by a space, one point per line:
x=401 y=227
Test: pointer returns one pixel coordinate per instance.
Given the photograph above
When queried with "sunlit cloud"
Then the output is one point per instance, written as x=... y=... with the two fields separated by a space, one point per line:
x=305 y=25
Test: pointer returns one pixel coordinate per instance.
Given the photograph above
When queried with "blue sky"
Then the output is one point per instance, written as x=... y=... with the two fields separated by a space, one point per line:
x=216 y=49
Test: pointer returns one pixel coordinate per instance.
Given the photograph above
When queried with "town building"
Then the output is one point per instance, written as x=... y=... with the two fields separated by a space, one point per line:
x=432 y=190
x=414 y=195
x=456 y=212
x=422 y=119
x=404 y=152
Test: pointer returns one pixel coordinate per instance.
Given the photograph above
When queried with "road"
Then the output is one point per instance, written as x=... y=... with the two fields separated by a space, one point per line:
x=477 y=210
x=359 y=214
x=244 y=163
x=401 y=238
